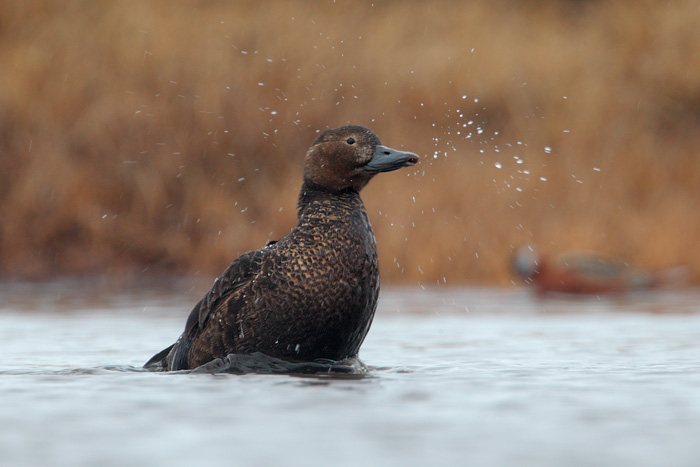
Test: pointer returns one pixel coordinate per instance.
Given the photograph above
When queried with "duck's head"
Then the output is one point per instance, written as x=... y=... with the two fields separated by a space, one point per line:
x=348 y=157
x=526 y=262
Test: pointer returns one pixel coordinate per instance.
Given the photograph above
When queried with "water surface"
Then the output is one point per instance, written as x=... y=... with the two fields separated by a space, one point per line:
x=457 y=376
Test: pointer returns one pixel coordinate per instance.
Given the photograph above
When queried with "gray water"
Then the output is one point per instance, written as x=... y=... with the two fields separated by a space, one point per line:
x=457 y=376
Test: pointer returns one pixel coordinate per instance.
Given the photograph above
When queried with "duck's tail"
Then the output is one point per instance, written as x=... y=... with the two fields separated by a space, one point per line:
x=159 y=362
x=673 y=277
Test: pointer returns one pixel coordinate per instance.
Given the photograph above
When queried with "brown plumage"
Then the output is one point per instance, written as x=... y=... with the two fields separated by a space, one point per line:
x=311 y=295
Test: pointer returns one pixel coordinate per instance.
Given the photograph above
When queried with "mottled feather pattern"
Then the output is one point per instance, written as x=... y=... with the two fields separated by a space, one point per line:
x=306 y=293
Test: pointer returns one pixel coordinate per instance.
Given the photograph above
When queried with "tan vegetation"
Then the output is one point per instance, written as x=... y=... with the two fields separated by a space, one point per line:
x=168 y=137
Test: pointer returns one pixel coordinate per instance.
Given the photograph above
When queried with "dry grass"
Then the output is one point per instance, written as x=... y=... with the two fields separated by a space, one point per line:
x=169 y=137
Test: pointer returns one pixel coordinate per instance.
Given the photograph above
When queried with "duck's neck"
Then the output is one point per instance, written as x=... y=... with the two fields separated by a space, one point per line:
x=312 y=194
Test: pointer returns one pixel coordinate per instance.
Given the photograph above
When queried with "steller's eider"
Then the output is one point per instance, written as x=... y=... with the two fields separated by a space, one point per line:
x=312 y=294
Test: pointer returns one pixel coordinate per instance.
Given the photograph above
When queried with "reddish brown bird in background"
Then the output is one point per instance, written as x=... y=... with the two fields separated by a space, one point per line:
x=578 y=273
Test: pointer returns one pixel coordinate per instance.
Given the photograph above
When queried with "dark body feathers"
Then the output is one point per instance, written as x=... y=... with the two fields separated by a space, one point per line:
x=311 y=295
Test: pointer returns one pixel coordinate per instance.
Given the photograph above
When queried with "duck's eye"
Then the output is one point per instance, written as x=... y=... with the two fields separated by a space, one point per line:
x=350 y=141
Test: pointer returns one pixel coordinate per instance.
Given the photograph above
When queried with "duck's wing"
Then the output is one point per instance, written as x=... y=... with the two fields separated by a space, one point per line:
x=595 y=266
x=236 y=276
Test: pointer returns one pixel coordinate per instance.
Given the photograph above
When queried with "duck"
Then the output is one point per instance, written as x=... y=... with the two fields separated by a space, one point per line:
x=590 y=273
x=312 y=295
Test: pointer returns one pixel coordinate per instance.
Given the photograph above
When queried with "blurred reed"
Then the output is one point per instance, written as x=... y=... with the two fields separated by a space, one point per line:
x=167 y=138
